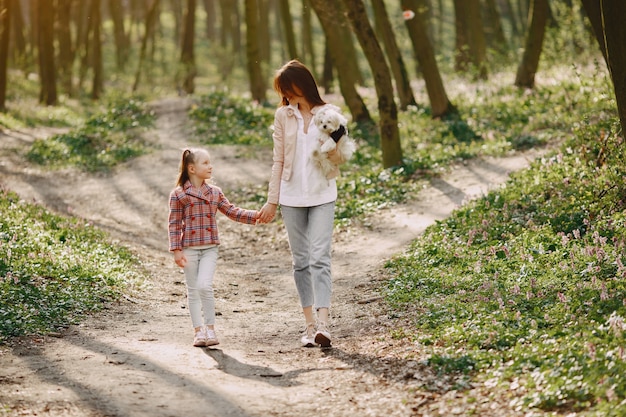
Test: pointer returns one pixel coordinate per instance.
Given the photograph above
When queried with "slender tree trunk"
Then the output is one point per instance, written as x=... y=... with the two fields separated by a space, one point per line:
x=177 y=12
x=84 y=30
x=327 y=69
x=349 y=46
x=308 y=52
x=606 y=17
x=388 y=113
x=495 y=37
x=287 y=24
x=476 y=36
x=47 y=71
x=21 y=55
x=151 y=17
x=116 y=8
x=264 y=30
x=403 y=85
x=66 y=49
x=509 y=13
x=211 y=19
x=187 y=57
x=328 y=17
x=96 y=63
x=227 y=22
x=253 y=53
x=534 y=41
x=5 y=34
x=462 y=57
x=424 y=53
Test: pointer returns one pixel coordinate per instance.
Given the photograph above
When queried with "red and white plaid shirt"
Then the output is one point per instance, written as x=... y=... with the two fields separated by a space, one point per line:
x=192 y=215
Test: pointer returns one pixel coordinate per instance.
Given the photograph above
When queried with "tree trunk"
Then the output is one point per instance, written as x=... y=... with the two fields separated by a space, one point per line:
x=177 y=12
x=151 y=17
x=403 y=85
x=476 y=36
x=211 y=19
x=527 y=69
x=187 y=57
x=227 y=22
x=327 y=69
x=116 y=8
x=5 y=34
x=66 y=49
x=83 y=34
x=388 y=113
x=96 y=63
x=47 y=71
x=606 y=18
x=265 y=37
x=509 y=13
x=349 y=48
x=328 y=17
x=287 y=24
x=308 y=52
x=493 y=27
x=462 y=57
x=20 y=53
x=424 y=53
x=253 y=53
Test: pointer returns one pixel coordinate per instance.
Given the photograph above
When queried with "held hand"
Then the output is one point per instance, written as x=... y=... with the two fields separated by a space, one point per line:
x=267 y=213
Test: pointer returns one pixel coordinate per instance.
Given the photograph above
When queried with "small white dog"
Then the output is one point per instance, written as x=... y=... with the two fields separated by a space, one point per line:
x=333 y=134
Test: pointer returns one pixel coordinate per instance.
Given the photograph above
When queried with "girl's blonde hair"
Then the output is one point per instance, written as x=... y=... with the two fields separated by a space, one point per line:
x=188 y=158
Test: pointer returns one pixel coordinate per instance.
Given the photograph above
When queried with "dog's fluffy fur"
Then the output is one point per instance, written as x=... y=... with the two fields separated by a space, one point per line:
x=333 y=134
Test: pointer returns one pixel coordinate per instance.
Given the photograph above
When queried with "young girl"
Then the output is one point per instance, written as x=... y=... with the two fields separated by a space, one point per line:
x=194 y=240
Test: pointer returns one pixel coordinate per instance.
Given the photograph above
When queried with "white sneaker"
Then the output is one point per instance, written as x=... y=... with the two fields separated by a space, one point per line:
x=211 y=338
x=199 y=339
x=322 y=336
x=308 y=338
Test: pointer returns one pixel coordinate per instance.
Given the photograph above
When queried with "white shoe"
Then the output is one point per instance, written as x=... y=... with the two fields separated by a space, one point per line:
x=308 y=338
x=199 y=339
x=211 y=338
x=322 y=336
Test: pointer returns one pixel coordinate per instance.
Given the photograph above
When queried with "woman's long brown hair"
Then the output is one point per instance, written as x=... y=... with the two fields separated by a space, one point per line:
x=295 y=73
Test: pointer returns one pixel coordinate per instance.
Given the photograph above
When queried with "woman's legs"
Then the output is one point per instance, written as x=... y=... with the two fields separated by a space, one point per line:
x=310 y=232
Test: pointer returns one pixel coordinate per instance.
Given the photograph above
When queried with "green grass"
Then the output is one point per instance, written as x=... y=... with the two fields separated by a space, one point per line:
x=55 y=269
x=526 y=285
x=103 y=141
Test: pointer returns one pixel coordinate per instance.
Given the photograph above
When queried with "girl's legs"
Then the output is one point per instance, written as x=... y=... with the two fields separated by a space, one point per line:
x=310 y=237
x=199 y=273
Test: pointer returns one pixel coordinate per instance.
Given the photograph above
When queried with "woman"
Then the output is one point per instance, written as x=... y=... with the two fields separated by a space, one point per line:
x=306 y=196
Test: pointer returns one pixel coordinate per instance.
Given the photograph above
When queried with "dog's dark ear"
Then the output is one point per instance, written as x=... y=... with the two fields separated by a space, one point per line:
x=337 y=134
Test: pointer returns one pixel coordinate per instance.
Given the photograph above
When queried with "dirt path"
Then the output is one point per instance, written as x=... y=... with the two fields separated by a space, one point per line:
x=136 y=358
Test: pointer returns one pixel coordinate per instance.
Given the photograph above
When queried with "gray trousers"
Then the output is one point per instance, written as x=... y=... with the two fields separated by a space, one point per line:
x=310 y=232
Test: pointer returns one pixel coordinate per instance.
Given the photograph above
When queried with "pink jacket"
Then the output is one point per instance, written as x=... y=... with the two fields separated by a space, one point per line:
x=285 y=132
x=192 y=215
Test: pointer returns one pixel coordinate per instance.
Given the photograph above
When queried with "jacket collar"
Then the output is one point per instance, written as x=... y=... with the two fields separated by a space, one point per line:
x=202 y=192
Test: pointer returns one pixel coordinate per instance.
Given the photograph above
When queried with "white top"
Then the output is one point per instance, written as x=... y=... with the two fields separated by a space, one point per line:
x=307 y=186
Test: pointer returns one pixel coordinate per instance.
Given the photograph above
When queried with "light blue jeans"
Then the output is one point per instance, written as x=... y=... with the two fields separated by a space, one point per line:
x=199 y=273
x=310 y=232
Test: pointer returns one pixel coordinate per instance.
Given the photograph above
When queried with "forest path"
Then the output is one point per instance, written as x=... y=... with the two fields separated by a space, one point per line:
x=136 y=358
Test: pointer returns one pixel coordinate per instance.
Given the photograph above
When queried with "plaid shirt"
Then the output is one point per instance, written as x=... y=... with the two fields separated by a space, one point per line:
x=192 y=215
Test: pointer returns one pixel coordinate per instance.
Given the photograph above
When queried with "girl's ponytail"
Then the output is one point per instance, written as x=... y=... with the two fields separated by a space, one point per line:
x=183 y=174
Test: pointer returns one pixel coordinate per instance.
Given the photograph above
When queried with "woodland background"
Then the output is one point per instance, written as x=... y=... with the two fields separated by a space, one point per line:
x=156 y=45
x=521 y=293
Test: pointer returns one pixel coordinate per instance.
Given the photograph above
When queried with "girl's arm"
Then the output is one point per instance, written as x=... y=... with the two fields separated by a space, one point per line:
x=175 y=223
x=235 y=213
